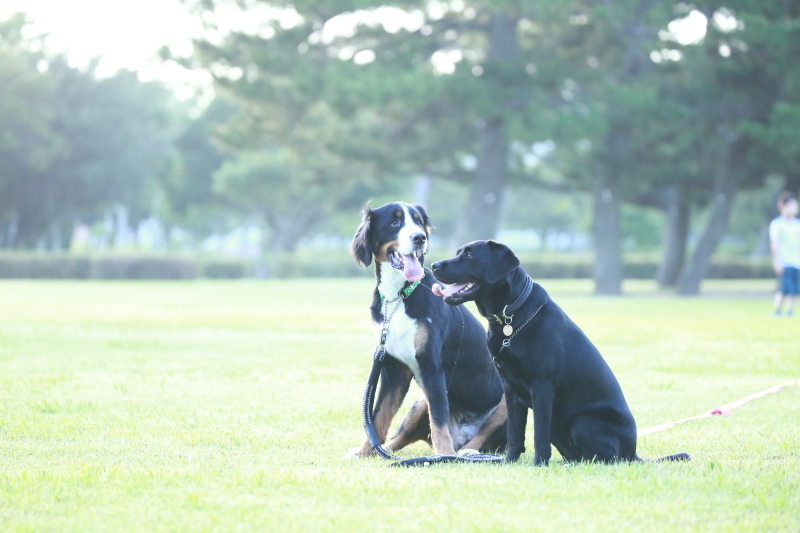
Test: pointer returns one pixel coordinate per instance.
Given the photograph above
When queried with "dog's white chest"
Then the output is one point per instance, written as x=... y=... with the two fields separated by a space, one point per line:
x=400 y=341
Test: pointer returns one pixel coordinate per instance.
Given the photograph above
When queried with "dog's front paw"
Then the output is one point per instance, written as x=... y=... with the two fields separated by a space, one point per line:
x=513 y=453
x=353 y=454
x=358 y=452
x=466 y=452
x=540 y=461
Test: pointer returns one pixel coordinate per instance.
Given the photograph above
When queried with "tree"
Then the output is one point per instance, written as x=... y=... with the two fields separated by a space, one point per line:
x=291 y=186
x=288 y=166
x=425 y=88
x=73 y=146
x=28 y=144
x=120 y=133
x=616 y=133
x=466 y=91
x=744 y=71
x=190 y=199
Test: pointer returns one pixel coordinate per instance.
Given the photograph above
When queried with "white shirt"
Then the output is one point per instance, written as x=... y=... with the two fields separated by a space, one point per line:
x=786 y=234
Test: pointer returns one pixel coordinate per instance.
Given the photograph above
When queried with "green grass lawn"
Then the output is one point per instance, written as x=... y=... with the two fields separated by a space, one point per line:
x=227 y=406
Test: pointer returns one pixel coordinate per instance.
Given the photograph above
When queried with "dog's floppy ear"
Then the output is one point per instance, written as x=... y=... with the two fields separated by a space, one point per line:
x=501 y=262
x=426 y=220
x=359 y=247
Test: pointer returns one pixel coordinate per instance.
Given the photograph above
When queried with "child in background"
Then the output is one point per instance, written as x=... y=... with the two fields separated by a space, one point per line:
x=784 y=236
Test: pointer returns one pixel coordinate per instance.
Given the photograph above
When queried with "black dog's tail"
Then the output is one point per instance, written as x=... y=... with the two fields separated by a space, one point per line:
x=680 y=456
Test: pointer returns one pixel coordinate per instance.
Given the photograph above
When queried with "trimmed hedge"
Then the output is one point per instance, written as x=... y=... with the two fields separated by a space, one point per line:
x=306 y=263
x=45 y=267
x=727 y=269
x=64 y=266
x=143 y=268
x=223 y=269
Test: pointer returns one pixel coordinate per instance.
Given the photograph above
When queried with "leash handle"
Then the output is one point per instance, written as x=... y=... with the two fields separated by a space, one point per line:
x=368 y=403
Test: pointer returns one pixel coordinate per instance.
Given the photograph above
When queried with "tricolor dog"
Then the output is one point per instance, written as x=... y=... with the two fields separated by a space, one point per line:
x=439 y=346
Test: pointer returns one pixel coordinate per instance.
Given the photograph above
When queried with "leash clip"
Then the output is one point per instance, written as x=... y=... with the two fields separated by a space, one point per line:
x=380 y=352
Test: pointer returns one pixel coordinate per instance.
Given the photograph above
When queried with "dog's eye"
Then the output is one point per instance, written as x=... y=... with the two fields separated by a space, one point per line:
x=469 y=255
x=396 y=222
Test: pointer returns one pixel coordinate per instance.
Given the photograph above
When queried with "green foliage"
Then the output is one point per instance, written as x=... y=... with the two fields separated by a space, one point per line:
x=641 y=227
x=120 y=136
x=543 y=211
x=294 y=182
x=72 y=146
x=189 y=185
x=310 y=123
x=28 y=144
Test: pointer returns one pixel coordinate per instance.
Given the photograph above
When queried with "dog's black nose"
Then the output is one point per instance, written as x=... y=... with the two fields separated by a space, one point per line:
x=435 y=266
x=419 y=239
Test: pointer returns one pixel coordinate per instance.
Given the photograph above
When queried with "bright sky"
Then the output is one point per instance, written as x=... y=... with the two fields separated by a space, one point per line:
x=125 y=33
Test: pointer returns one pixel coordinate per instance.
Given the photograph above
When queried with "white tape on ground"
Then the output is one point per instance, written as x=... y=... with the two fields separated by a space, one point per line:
x=724 y=410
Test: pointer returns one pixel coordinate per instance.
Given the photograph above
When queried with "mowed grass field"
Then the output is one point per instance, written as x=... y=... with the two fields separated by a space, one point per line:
x=227 y=406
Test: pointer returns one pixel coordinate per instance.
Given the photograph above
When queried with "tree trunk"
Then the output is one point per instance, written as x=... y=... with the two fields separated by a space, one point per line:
x=607 y=238
x=761 y=246
x=696 y=269
x=422 y=190
x=480 y=218
x=677 y=210
x=288 y=228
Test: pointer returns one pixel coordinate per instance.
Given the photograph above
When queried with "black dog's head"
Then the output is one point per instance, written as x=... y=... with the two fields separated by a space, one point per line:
x=395 y=233
x=476 y=267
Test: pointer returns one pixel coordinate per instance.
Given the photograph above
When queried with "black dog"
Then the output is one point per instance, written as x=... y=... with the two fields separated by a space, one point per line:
x=440 y=346
x=546 y=361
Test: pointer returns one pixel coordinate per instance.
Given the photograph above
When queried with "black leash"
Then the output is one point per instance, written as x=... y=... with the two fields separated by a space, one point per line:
x=368 y=404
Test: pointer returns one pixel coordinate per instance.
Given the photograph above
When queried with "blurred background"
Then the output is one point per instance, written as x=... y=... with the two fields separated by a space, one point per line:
x=605 y=139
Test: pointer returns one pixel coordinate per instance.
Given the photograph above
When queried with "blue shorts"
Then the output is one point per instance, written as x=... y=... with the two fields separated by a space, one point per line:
x=790 y=281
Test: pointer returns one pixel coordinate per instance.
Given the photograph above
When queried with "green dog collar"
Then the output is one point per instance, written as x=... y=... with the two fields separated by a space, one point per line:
x=405 y=292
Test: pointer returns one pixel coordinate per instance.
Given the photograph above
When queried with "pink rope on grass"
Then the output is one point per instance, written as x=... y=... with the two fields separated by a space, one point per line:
x=724 y=410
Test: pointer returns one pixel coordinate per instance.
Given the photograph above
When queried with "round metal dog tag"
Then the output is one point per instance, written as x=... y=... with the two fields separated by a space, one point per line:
x=508 y=330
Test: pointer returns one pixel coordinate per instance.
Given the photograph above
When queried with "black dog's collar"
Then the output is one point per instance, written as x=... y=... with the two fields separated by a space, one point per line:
x=510 y=309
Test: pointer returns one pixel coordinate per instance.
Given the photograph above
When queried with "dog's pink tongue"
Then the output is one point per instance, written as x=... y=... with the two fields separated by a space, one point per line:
x=452 y=289
x=411 y=268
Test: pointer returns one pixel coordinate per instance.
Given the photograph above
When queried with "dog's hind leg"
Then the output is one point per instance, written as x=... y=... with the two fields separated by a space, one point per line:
x=395 y=381
x=491 y=425
x=415 y=426
x=599 y=440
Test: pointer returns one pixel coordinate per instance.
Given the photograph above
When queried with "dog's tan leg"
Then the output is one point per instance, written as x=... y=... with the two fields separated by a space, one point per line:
x=441 y=438
x=442 y=441
x=490 y=425
x=395 y=380
x=414 y=427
